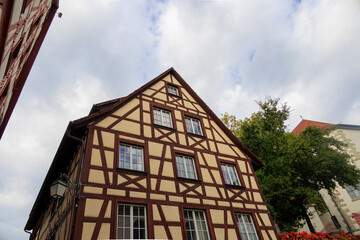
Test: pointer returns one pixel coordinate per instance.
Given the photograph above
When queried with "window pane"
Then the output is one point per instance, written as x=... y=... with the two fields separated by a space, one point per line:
x=246 y=226
x=131 y=222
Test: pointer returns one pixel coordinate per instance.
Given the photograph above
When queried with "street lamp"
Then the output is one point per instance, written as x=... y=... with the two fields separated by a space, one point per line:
x=57 y=188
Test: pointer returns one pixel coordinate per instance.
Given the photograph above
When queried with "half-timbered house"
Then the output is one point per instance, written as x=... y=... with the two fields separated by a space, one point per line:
x=157 y=164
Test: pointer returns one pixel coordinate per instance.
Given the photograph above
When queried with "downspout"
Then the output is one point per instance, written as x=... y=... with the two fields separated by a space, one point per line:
x=78 y=179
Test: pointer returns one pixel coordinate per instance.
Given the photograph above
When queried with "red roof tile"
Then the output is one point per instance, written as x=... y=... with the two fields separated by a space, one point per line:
x=305 y=123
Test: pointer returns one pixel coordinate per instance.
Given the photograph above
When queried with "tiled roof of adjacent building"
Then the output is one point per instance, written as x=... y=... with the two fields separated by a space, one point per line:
x=305 y=123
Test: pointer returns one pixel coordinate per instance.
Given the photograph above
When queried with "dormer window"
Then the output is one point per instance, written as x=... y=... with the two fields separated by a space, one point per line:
x=173 y=90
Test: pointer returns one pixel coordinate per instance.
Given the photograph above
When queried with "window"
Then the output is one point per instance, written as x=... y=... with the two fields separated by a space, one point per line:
x=246 y=227
x=131 y=222
x=353 y=191
x=173 y=90
x=162 y=117
x=230 y=174
x=131 y=157
x=186 y=167
x=193 y=125
x=196 y=227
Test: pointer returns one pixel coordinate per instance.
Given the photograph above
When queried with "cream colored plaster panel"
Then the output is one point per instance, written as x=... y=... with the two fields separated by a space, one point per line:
x=127 y=126
x=108 y=139
x=87 y=231
x=219 y=233
x=104 y=231
x=168 y=152
x=217 y=137
x=182 y=139
x=250 y=206
x=148 y=92
x=154 y=166
x=242 y=166
x=171 y=213
x=209 y=134
x=217 y=216
x=137 y=194
x=155 y=149
x=182 y=109
x=265 y=236
x=179 y=126
x=131 y=185
x=193 y=200
x=147 y=98
x=160 y=232
x=131 y=139
x=246 y=180
x=176 y=232
x=116 y=192
x=253 y=183
x=167 y=186
x=109 y=156
x=262 y=207
x=135 y=115
x=92 y=207
x=176 y=199
x=146 y=118
x=175 y=81
x=206 y=123
x=127 y=107
x=153 y=183
x=106 y=122
x=171 y=105
x=147 y=131
x=237 y=150
x=96 y=176
x=211 y=192
x=272 y=234
x=178 y=115
x=187 y=95
x=108 y=210
x=146 y=106
x=258 y=219
x=201 y=160
x=250 y=168
x=206 y=175
x=225 y=149
x=223 y=135
x=237 y=205
x=257 y=197
x=160 y=96
x=167 y=78
x=229 y=218
x=157 y=196
x=172 y=137
x=168 y=170
x=189 y=105
x=232 y=233
x=94 y=190
x=95 y=157
x=143 y=182
x=184 y=149
x=156 y=214
x=200 y=109
x=95 y=139
x=223 y=203
x=210 y=160
x=209 y=202
x=227 y=158
x=158 y=85
x=190 y=141
x=217 y=177
x=266 y=219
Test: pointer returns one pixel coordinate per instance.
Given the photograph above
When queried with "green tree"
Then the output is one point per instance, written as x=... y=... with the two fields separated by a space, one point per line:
x=296 y=167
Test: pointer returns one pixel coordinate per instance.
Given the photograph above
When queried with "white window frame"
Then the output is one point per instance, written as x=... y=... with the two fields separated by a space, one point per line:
x=229 y=169
x=131 y=221
x=132 y=148
x=353 y=191
x=162 y=117
x=195 y=223
x=191 y=128
x=250 y=229
x=182 y=161
x=173 y=90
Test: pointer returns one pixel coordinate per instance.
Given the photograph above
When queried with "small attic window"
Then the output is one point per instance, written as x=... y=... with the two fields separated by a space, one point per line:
x=173 y=90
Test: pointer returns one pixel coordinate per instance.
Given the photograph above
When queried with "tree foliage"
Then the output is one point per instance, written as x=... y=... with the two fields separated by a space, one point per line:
x=296 y=167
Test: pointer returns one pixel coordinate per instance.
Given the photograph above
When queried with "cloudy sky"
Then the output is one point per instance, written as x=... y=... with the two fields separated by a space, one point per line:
x=232 y=53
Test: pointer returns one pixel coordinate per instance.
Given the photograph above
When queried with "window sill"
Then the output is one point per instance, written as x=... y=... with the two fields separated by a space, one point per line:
x=189 y=180
x=131 y=171
x=196 y=135
x=174 y=95
x=235 y=186
x=165 y=127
